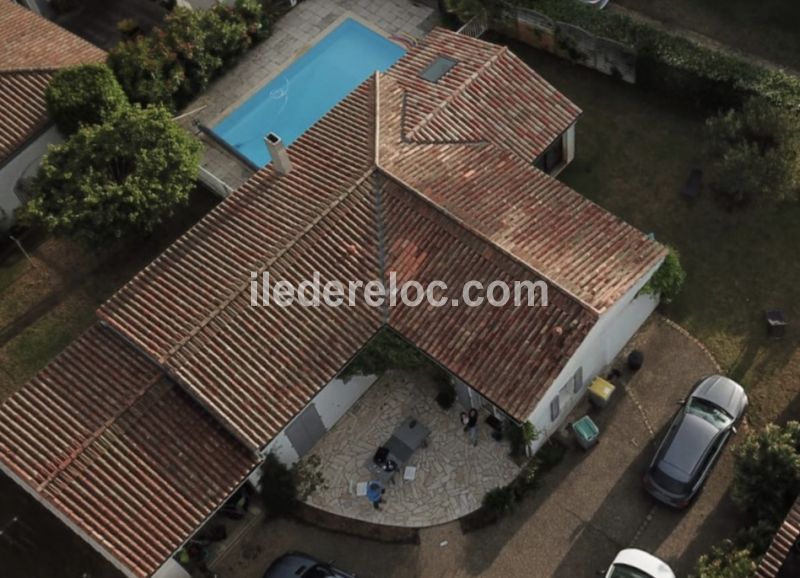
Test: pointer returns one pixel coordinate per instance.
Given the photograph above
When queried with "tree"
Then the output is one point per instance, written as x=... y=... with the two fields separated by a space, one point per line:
x=668 y=280
x=114 y=179
x=85 y=94
x=726 y=562
x=766 y=477
x=755 y=153
x=147 y=75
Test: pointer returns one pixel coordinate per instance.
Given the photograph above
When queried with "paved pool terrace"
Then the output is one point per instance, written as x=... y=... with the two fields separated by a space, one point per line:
x=295 y=33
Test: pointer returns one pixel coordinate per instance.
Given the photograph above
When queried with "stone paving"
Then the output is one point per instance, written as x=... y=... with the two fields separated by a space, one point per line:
x=294 y=33
x=452 y=476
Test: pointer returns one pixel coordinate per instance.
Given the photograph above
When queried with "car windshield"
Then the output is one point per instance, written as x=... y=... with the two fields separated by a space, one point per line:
x=668 y=483
x=625 y=571
x=709 y=412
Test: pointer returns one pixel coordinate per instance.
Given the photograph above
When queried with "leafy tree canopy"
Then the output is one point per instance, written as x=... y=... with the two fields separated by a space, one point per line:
x=755 y=153
x=767 y=473
x=85 y=94
x=117 y=178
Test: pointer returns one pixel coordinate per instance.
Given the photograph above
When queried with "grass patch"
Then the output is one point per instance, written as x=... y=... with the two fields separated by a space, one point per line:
x=635 y=149
x=43 y=310
x=11 y=270
x=47 y=336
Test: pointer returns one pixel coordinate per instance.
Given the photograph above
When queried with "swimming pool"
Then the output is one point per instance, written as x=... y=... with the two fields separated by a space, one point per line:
x=307 y=89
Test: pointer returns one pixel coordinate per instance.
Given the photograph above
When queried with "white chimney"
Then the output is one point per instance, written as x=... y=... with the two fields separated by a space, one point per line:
x=279 y=154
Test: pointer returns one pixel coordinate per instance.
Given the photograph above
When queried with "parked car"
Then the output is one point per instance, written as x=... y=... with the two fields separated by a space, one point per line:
x=633 y=563
x=299 y=565
x=694 y=440
x=599 y=4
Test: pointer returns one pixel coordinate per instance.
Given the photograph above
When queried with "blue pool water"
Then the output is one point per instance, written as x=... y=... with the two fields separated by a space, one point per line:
x=307 y=89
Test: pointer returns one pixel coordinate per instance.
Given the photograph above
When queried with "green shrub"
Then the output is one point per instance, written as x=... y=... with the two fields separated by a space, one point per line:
x=766 y=478
x=668 y=280
x=755 y=154
x=308 y=477
x=756 y=538
x=278 y=489
x=499 y=501
x=527 y=480
x=146 y=74
x=520 y=437
x=228 y=35
x=726 y=562
x=115 y=179
x=177 y=60
x=550 y=454
x=711 y=78
x=387 y=350
x=85 y=94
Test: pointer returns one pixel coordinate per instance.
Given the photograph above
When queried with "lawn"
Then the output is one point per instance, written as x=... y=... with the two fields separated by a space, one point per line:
x=634 y=152
x=768 y=29
x=45 y=305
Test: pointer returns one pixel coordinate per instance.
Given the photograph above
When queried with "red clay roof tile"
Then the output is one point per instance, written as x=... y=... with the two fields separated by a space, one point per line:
x=31 y=48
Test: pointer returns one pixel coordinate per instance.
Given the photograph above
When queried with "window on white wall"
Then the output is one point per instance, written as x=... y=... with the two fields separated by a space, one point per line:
x=577 y=381
x=555 y=408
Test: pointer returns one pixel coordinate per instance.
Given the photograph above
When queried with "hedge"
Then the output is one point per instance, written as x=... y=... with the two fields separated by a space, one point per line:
x=176 y=61
x=712 y=78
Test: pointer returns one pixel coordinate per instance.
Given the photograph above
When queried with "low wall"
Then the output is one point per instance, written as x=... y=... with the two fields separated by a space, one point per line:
x=567 y=41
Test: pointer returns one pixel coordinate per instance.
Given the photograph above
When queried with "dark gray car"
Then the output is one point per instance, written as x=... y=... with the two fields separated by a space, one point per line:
x=694 y=440
x=299 y=565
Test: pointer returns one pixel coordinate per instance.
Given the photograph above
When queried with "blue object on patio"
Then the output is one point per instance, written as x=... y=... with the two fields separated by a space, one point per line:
x=374 y=491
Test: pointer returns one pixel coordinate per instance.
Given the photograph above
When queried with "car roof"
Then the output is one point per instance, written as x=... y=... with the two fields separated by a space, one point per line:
x=723 y=392
x=686 y=447
x=644 y=561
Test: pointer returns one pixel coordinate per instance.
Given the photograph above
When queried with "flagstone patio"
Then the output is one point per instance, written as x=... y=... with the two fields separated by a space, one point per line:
x=451 y=478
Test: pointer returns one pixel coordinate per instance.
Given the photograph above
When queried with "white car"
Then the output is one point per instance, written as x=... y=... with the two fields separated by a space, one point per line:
x=633 y=563
x=599 y=4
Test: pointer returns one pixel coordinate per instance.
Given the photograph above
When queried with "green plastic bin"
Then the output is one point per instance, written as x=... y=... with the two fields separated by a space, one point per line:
x=586 y=432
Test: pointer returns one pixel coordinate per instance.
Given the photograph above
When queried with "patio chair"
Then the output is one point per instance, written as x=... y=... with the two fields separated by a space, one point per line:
x=409 y=474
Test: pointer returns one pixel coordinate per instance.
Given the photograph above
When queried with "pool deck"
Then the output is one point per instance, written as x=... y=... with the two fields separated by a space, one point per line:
x=295 y=33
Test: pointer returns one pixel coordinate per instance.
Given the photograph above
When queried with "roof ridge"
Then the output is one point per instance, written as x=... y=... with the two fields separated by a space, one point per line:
x=459 y=91
x=104 y=426
x=471 y=230
x=263 y=266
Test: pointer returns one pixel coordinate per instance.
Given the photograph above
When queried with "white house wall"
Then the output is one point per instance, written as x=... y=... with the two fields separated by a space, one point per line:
x=11 y=172
x=332 y=402
x=605 y=340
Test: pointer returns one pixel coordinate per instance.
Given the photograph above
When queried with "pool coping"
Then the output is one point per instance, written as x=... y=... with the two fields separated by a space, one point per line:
x=295 y=57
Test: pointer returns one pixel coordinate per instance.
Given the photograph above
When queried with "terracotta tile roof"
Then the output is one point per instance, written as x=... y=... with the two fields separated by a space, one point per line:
x=429 y=181
x=490 y=95
x=509 y=354
x=121 y=451
x=785 y=539
x=452 y=209
x=31 y=48
x=578 y=245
